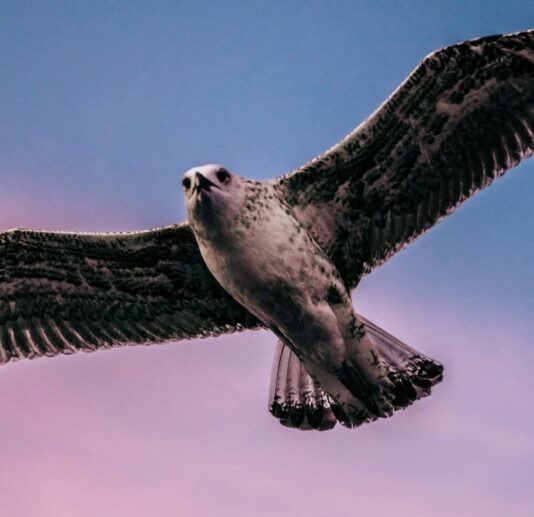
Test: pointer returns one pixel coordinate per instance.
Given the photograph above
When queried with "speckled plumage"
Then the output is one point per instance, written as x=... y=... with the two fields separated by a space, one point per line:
x=285 y=253
x=269 y=262
x=461 y=119
x=63 y=292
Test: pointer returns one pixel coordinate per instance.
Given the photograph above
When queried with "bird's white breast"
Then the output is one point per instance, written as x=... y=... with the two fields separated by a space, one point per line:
x=265 y=259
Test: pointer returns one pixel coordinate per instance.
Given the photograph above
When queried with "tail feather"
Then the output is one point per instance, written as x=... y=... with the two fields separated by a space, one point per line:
x=298 y=401
x=295 y=398
x=410 y=370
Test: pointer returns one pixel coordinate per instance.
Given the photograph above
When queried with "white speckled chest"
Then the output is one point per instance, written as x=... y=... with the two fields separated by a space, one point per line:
x=265 y=259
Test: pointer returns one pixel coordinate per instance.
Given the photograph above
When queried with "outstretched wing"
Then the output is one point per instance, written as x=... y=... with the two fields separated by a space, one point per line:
x=462 y=118
x=64 y=292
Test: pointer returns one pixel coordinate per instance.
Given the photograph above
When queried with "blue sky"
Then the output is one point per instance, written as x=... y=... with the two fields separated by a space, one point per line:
x=104 y=105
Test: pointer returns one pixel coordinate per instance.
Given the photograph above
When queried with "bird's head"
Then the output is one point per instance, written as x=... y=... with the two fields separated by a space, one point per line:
x=213 y=195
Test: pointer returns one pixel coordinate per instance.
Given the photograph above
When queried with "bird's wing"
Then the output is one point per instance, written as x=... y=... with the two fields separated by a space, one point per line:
x=64 y=292
x=462 y=118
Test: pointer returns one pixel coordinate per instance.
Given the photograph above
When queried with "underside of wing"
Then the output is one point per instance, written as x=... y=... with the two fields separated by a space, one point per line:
x=64 y=292
x=462 y=118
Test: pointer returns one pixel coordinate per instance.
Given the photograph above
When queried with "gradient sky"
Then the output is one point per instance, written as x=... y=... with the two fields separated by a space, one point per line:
x=103 y=106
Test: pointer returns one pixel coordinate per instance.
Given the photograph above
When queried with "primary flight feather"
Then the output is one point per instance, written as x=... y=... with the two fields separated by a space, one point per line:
x=284 y=254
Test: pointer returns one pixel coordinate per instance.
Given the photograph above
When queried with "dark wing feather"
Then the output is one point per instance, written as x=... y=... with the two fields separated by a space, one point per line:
x=462 y=118
x=64 y=292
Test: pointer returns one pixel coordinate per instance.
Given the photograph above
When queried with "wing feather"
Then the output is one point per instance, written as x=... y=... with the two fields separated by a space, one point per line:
x=461 y=119
x=64 y=292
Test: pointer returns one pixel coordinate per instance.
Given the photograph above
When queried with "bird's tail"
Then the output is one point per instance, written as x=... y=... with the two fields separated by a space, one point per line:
x=295 y=398
x=411 y=373
x=298 y=401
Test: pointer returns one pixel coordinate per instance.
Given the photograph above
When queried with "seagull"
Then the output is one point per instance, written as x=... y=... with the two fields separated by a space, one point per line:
x=285 y=254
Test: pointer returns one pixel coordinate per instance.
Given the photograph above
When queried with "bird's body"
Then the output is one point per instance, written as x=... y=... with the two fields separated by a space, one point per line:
x=285 y=254
x=265 y=258
x=261 y=254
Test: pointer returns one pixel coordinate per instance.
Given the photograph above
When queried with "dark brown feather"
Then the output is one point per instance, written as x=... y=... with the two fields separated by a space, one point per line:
x=462 y=118
x=64 y=292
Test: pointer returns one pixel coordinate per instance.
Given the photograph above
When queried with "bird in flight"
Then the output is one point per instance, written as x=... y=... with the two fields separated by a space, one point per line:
x=285 y=254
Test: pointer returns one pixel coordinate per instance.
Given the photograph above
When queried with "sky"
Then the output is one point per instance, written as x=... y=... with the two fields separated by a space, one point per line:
x=103 y=106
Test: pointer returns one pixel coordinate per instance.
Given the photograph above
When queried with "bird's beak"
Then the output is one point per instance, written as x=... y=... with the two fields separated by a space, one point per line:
x=203 y=183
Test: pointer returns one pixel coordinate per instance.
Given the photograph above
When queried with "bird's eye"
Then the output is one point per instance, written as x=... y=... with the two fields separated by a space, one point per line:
x=223 y=175
x=186 y=182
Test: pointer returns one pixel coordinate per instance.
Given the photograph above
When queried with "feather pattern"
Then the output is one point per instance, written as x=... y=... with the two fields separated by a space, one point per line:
x=295 y=398
x=461 y=119
x=64 y=292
